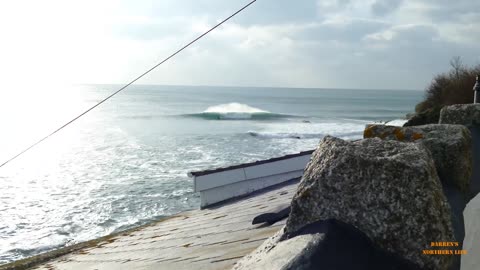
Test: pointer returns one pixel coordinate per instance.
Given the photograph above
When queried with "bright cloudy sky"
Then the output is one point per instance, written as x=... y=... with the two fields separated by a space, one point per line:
x=371 y=44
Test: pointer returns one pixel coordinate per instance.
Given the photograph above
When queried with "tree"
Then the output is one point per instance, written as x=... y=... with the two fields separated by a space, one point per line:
x=453 y=87
x=457 y=65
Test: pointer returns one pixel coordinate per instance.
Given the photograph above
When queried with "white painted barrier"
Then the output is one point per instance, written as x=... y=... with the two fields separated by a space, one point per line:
x=225 y=183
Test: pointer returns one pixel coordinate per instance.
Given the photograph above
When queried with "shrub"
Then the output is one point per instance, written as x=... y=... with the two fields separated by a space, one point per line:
x=453 y=87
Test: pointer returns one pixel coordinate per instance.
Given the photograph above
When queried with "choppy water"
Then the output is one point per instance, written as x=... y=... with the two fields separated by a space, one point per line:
x=126 y=162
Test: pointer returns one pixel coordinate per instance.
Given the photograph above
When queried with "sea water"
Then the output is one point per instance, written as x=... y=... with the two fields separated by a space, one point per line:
x=126 y=162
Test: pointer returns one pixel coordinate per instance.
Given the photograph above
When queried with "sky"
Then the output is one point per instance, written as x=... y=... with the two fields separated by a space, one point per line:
x=370 y=44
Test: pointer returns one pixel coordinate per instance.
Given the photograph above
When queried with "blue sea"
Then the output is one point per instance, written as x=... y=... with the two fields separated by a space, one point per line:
x=126 y=162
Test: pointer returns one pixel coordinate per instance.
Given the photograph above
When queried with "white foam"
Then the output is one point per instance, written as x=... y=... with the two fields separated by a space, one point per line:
x=309 y=130
x=397 y=122
x=234 y=109
x=272 y=135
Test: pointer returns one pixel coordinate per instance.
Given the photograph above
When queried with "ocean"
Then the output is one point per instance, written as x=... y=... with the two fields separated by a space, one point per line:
x=126 y=162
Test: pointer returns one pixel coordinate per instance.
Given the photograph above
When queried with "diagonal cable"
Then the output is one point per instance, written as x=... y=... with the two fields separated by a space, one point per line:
x=128 y=84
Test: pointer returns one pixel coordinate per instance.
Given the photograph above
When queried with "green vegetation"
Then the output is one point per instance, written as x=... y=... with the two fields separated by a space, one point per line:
x=452 y=87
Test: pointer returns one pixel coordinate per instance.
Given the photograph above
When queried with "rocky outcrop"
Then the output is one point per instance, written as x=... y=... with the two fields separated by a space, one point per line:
x=450 y=145
x=461 y=114
x=429 y=116
x=389 y=190
x=323 y=245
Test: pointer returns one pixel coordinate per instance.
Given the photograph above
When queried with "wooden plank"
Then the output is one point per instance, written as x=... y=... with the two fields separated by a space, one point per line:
x=199 y=239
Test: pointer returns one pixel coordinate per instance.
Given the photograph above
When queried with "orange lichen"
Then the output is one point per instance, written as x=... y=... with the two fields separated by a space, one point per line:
x=417 y=136
x=368 y=132
x=399 y=134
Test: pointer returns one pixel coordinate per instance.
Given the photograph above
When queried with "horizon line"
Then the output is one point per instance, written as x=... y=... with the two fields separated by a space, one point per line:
x=238 y=86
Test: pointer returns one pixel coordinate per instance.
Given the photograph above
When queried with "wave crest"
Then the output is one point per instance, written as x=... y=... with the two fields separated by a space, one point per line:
x=237 y=111
x=234 y=107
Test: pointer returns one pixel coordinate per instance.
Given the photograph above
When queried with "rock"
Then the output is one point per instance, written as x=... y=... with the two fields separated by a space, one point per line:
x=429 y=116
x=471 y=243
x=461 y=114
x=451 y=148
x=323 y=245
x=475 y=182
x=410 y=115
x=276 y=254
x=450 y=145
x=387 y=189
x=468 y=115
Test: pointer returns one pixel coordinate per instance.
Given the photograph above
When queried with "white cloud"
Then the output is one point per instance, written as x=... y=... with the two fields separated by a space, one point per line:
x=314 y=43
x=384 y=7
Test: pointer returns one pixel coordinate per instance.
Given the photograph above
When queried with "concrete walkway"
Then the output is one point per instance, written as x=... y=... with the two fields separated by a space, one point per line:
x=213 y=238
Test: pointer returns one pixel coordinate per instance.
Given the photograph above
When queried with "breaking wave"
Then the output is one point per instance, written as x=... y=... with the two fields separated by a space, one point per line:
x=397 y=122
x=237 y=111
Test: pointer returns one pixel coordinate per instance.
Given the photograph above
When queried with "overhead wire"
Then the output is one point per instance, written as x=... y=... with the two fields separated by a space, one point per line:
x=130 y=83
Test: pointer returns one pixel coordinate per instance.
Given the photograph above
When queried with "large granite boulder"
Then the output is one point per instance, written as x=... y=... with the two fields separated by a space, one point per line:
x=323 y=245
x=461 y=114
x=451 y=148
x=468 y=115
x=450 y=145
x=387 y=189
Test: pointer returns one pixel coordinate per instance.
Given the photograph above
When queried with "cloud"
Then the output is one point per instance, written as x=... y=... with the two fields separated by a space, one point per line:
x=308 y=43
x=410 y=34
x=384 y=7
x=332 y=5
x=445 y=10
x=350 y=30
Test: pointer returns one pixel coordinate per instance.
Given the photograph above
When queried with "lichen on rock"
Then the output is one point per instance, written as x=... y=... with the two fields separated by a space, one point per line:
x=387 y=189
x=450 y=145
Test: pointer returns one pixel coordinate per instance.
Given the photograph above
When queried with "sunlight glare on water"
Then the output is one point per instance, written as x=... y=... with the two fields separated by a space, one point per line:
x=126 y=162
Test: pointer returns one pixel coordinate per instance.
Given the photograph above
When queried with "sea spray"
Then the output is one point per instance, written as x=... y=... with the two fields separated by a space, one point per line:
x=238 y=111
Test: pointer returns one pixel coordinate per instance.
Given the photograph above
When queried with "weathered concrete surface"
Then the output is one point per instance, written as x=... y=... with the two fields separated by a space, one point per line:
x=388 y=189
x=460 y=114
x=326 y=244
x=471 y=243
x=213 y=238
